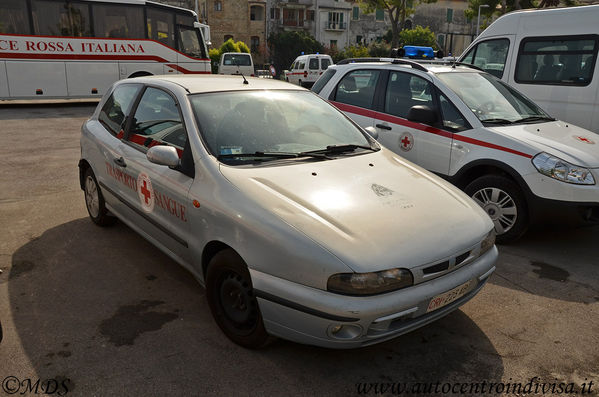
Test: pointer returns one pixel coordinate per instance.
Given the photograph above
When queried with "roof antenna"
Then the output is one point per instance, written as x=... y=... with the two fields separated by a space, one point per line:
x=239 y=70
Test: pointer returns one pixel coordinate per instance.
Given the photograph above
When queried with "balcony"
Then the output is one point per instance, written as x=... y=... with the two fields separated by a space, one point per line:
x=286 y=3
x=335 y=26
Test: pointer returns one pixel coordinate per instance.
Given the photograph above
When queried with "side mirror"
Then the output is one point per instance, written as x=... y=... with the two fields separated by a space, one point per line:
x=422 y=114
x=372 y=132
x=163 y=155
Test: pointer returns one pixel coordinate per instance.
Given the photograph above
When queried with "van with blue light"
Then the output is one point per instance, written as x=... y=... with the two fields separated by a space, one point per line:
x=306 y=69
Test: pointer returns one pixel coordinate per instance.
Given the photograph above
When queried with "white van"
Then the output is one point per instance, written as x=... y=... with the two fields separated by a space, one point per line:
x=236 y=63
x=306 y=69
x=550 y=56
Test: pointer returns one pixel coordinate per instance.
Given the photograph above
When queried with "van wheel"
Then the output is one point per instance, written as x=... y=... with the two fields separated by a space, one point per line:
x=300 y=83
x=503 y=201
x=94 y=201
x=232 y=301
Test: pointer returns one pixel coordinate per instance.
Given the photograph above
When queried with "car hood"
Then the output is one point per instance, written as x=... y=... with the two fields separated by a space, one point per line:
x=567 y=141
x=372 y=211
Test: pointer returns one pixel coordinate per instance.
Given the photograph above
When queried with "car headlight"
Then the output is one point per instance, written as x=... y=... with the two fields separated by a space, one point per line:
x=561 y=170
x=488 y=242
x=370 y=283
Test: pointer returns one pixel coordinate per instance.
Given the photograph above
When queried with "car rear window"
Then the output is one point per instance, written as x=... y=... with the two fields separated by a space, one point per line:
x=237 y=59
x=313 y=64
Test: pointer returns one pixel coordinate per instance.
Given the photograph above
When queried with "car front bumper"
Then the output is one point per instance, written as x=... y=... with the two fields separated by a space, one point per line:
x=308 y=315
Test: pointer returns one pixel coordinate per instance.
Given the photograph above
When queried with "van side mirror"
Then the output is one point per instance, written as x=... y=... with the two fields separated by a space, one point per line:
x=163 y=155
x=422 y=114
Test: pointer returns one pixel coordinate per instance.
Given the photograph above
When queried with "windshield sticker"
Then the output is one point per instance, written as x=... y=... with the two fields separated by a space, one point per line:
x=145 y=192
x=585 y=140
x=406 y=142
x=230 y=150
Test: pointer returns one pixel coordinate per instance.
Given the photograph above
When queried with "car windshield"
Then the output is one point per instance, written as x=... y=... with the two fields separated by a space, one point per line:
x=266 y=125
x=491 y=100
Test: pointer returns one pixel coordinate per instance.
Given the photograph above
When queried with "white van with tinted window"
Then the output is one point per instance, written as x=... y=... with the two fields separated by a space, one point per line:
x=550 y=56
x=236 y=63
x=306 y=69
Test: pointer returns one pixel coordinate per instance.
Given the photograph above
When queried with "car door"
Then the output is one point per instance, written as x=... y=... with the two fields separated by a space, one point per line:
x=355 y=95
x=161 y=196
x=107 y=158
x=426 y=145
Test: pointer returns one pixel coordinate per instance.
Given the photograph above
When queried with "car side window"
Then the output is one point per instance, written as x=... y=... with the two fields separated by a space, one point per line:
x=118 y=106
x=157 y=122
x=358 y=88
x=490 y=56
x=325 y=63
x=405 y=90
x=452 y=119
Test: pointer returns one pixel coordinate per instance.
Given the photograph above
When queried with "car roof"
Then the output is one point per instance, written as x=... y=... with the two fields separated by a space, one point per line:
x=196 y=84
x=433 y=66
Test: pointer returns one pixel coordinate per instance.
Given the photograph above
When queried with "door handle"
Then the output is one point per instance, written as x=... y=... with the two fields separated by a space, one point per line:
x=383 y=127
x=120 y=162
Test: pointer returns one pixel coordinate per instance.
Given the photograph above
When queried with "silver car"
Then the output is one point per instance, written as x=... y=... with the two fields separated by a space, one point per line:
x=295 y=220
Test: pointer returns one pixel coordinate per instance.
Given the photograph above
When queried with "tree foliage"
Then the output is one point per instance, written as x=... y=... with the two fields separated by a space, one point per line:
x=286 y=46
x=397 y=10
x=418 y=36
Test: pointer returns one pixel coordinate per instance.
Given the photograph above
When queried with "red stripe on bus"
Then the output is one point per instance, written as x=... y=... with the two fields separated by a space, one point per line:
x=421 y=127
x=105 y=39
x=79 y=57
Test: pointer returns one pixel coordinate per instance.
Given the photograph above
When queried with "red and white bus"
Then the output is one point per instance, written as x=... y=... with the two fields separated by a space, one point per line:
x=78 y=48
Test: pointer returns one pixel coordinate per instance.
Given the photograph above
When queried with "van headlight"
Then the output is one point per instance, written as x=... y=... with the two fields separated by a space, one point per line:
x=561 y=170
x=370 y=283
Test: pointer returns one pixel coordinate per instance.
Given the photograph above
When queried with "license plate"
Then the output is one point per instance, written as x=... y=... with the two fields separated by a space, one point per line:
x=447 y=297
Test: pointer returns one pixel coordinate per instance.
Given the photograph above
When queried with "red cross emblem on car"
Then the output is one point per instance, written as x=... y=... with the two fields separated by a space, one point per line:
x=406 y=142
x=145 y=192
x=585 y=140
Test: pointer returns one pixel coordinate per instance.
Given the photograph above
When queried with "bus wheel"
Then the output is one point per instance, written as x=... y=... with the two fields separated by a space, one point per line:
x=139 y=74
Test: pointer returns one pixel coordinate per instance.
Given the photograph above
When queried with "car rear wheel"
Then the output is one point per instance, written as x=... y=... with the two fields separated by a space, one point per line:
x=232 y=300
x=503 y=201
x=94 y=201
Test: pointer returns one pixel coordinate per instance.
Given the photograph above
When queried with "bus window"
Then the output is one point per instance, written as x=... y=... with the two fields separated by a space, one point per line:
x=189 y=42
x=50 y=18
x=116 y=21
x=186 y=20
x=13 y=18
x=80 y=23
x=160 y=26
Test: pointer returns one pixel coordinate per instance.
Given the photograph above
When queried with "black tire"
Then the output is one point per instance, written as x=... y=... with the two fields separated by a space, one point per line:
x=94 y=200
x=232 y=301
x=503 y=201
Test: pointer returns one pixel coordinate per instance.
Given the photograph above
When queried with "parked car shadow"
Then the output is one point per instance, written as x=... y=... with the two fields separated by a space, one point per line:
x=558 y=262
x=106 y=310
x=17 y=111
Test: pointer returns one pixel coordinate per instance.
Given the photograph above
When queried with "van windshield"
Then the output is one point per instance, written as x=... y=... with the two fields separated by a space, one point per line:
x=491 y=100
x=237 y=59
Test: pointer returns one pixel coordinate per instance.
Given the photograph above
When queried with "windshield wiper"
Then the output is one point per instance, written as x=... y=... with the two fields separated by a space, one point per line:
x=259 y=156
x=497 y=121
x=534 y=118
x=336 y=149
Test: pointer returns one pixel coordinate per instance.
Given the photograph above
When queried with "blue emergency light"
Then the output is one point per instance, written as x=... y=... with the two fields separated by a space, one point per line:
x=418 y=52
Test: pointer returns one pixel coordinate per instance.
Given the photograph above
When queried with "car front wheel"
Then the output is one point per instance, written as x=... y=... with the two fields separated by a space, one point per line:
x=503 y=201
x=232 y=301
